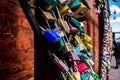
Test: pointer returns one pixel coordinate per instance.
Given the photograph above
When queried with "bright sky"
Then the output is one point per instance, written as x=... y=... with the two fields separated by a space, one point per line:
x=115 y=23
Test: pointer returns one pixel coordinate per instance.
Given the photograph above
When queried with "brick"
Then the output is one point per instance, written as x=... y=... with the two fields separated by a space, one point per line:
x=24 y=39
x=24 y=75
x=13 y=62
x=8 y=32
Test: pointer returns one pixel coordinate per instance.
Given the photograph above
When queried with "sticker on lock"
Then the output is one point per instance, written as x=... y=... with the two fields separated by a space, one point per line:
x=59 y=31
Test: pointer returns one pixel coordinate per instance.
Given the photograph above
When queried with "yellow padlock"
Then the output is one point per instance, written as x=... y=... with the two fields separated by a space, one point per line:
x=84 y=47
x=63 y=9
x=81 y=11
x=77 y=75
x=89 y=45
x=86 y=38
x=77 y=39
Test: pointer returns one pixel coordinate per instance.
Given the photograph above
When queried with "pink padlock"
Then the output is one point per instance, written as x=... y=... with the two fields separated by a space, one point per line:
x=82 y=67
x=69 y=12
x=74 y=56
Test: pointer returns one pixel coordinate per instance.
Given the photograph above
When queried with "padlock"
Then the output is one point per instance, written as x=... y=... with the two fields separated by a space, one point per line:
x=47 y=15
x=83 y=76
x=59 y=31
x=72 y=28
x=74 y=4
x=60 y=63
x=88 y=48
x=68 y=45
x=54 y=3
x=89 y=62
x=74 y=57
x=76 y=51
x=81 y=11
x=83 y=55
x=63 y=2
x=57 y=28
x=48 y=7
x=62 y=22
x=69 y=12
x=61 y=45
x=86 y=39
x=89 y=54
x=81 y=28
x=63 y=67
x=74 y=21
x=80 y=46
x=51 y=35
x=63 y=9
x=77 y=39
x=84 y=47
x=75 y=74
x=71 y=77
x=89 y=45
x=82 y=67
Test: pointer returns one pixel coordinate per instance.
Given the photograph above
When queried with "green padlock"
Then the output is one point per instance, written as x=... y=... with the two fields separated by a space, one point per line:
x=61 y=45
x=74 y=21
x=54 y=3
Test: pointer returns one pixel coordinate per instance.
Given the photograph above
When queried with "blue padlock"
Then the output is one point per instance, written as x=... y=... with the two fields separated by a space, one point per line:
x=51 y=35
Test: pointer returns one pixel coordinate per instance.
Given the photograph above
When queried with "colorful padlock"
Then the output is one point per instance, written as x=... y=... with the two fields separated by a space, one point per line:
x=81 y=11
x=74 y=21
x=60 y=64
x=62 y=22
x=51 y=35
x=82 y=67
x=52 y=2
x=63 y=9
x=74 y=4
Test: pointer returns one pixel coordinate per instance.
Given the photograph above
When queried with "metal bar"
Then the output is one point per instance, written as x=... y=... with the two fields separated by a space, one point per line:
x=31 y=19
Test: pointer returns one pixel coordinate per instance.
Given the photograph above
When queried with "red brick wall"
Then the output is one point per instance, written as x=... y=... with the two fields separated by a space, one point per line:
x=16 y=43
x=92 y=29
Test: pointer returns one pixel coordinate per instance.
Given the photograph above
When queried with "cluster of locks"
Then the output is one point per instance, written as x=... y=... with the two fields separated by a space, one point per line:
x=63 y=28
x=107 y=46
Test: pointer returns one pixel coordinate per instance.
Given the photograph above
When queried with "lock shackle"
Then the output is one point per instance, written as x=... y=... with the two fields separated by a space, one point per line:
x=47 y=23
x=65 y=37
x=41 y=28
x=58 y=13
x=54 y=15
x=45 y=18
x=55 y=23
x=56 y=58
